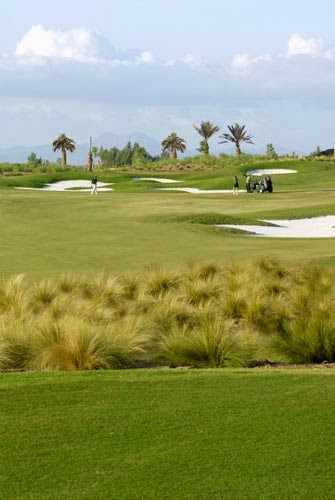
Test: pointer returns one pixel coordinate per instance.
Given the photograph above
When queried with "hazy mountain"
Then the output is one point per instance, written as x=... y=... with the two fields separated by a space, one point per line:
x=19 y=154
x=108 y=140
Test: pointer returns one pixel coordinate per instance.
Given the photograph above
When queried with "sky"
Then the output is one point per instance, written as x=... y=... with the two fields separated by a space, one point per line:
x=162 y=66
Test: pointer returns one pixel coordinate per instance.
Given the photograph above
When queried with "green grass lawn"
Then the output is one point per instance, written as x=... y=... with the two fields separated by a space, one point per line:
x=46 y=233
x=210 y=434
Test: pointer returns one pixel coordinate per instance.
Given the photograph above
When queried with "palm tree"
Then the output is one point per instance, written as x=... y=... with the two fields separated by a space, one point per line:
x=206 y=130
x=63 y=143
x=172 y=144
x=237 y=135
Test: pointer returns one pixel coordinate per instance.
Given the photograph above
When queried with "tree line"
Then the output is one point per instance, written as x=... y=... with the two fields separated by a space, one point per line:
x=132 y=154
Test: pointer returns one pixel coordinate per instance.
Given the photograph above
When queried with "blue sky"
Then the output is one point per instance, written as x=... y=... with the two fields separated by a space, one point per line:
x=160 y=66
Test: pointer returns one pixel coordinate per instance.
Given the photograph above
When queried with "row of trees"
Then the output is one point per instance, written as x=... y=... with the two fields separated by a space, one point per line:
x=170 y=145
x=129 y=155
x=237 y=134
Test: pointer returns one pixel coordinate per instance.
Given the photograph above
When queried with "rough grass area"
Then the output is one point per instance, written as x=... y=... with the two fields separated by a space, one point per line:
x=232 y=434
x=204 y=315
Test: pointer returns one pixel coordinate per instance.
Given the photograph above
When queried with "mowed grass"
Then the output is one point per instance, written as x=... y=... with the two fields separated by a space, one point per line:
x=210 y=434
x=47 y=233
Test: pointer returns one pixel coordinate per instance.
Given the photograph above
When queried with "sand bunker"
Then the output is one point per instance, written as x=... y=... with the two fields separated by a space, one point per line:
x=316 y=227
x=198 y=191
x=155 y=179
x=78 y=185
x=271 y=171
x=259 y=172
x=85 y=185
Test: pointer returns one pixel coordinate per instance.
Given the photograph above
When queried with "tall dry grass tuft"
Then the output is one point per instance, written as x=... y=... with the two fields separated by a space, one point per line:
x=236 y=275
x=103 y=289
x=202 y=270
x=159 y=281
x=70 y=344
x=69 y=283
x=257 y=312
x=170 y=311
x=272 y=267
x=129 y=342
x=15 y=342
x=199 y=292
x=130 y=284
x=308 y=339
x=233 y=304
x=14 y=296
x=42 y=294
x=214 y=344
x=170 y=348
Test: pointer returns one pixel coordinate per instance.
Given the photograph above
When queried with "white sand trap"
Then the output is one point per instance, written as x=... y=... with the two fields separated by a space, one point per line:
x=199 y=191
x=155 y=179
x=79 y=185
x=316 y=227
x=184 y=190
x=268 y=171
x=271 y=171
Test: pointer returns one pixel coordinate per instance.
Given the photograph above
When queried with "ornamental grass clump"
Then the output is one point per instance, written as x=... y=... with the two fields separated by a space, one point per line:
x=15 y=343
x=159 y=281
x=42 y=294
x=214 y=344
x=272 y=267
x=170 y=348
x=202 y=271
x=308 y=339
x=233 y=304
x=171 y=311
x=258 y=313
x=14 y=296
x=129 y=342
x=103 y=289
x=199 y=292
x=68 y=283
x=69 y=345
x=130 y=286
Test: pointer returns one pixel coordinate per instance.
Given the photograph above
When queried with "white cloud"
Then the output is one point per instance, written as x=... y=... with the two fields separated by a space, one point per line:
x=83 y=71
x=146 y=57
x=243 y=62
x=40 y=46
x=79 y=44
x=298 y=45
x=192 y=60
x=96 y=71
x=306 y=70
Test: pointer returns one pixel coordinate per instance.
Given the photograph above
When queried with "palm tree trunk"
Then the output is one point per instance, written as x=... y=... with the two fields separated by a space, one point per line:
x=63 y=157
x=90 y=161
x=237 y=150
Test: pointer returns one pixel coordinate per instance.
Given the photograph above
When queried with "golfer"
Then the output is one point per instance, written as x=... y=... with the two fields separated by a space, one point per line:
x=94 y=185
x=235 y=185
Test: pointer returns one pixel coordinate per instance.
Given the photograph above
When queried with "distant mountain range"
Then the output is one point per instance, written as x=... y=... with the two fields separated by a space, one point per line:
x=108 y=140
x=19 y=154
